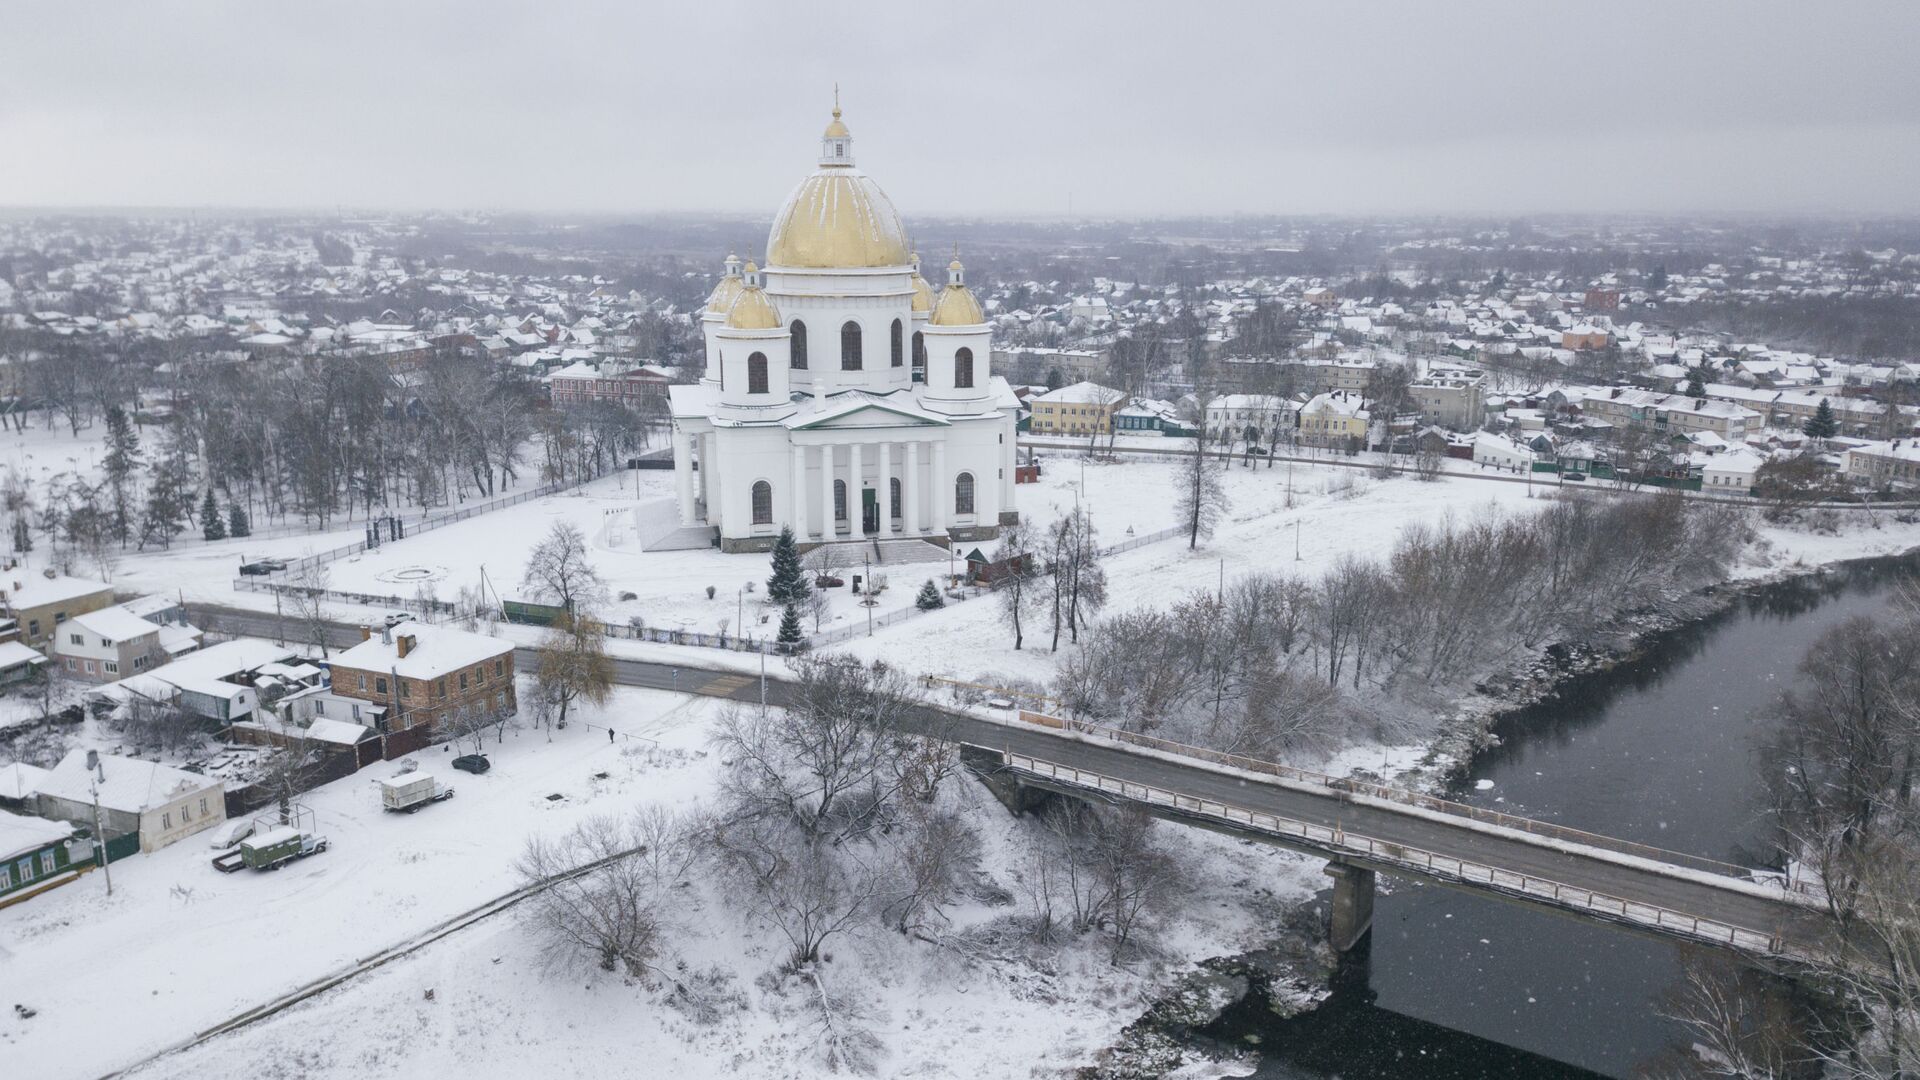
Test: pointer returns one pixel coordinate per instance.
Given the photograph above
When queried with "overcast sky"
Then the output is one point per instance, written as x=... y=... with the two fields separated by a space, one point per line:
x=974 y=108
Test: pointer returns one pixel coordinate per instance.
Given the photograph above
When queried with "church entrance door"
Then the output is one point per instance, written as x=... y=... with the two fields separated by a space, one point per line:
x=869 y=511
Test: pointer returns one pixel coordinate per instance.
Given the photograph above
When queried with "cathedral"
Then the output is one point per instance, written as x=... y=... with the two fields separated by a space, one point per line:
x=842 y=396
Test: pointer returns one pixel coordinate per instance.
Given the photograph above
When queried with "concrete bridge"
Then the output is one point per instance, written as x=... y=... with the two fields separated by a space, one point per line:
x=1360 y=829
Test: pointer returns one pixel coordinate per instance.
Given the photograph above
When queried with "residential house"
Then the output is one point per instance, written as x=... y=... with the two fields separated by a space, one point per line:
x=37 y=855
x=38 y=603
x=18 y=662
x=1451 y=396
x=1584 y=337
x=158 y=802
x=104 y=645
x=1085 y=408
x=1149 y=416
x=1884 y=464
x=415 y=676
x=1338 y=418
x=1501 y=452
x=18 y=782
x=1730 y=471
x=1253 y=418
x=623 y=382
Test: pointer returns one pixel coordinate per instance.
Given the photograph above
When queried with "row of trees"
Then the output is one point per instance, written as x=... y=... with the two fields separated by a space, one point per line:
x=1253 y=667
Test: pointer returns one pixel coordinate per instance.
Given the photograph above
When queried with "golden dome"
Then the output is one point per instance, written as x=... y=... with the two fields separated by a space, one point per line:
x=957 y=307
x=837 y=218
x=922 y=294
x=724 y=294
x=752 y=311
x=836 y=129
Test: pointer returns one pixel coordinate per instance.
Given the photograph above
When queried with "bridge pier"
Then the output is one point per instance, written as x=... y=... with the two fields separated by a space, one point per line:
x=1352 y=904
x=991 y=771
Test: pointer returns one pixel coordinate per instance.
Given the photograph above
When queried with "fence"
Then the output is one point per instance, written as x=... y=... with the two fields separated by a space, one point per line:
x=1427 y=862
x=1144 y=539
x=1417 y=799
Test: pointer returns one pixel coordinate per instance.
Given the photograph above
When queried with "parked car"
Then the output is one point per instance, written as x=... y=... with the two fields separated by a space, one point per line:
x=473 y=763
x=1574 y=475
x=395 y=618
x=230 y=833
x=262 y=567
x=825 y=581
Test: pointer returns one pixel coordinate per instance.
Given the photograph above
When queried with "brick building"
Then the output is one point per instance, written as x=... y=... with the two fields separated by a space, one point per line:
x=416 y=675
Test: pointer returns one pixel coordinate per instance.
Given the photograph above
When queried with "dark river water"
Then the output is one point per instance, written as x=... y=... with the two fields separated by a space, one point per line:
x=1660 y=751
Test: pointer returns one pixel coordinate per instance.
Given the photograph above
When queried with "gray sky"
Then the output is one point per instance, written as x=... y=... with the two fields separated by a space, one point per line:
x=967 y=108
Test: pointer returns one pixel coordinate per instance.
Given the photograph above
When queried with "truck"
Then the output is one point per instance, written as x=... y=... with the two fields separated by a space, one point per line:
x=270 y=849
x=408 y=792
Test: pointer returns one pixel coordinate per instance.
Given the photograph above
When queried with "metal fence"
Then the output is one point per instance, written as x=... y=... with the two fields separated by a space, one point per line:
x=1412 y=858
x=1144 y=539
x=1416 y=799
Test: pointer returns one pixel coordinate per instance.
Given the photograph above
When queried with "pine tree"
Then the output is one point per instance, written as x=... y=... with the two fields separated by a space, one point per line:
x=212 y=525
x=1659 y=279
x=121 y=461
x=1696 y=382
x=1823 y=424
x=790 y=638
x=929 y=597
x=237 y=525
x=169 y=495
x=788 y=585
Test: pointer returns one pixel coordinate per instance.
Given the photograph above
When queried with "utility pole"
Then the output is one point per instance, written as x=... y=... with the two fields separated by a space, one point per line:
x=99 y=835
x=1296 y=539
x=763 y=677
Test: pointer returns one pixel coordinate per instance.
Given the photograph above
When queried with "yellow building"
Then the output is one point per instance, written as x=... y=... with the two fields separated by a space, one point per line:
x=1081 y=409
x=1335 y=419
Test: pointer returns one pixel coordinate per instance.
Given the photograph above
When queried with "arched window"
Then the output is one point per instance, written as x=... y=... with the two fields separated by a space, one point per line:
x=919 y=350
x=850 y=346
x=762 y=501
x=963 y=494
x=899 y=354
x=963 y=368
x=799 y=331
x=757 y=373
x=894 y=500
x=839 y=500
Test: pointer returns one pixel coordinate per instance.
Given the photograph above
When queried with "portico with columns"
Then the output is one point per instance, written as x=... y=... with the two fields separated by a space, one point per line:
x=842 y=397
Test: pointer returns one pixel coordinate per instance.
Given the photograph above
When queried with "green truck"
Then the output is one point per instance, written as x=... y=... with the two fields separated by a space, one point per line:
x=270 y=849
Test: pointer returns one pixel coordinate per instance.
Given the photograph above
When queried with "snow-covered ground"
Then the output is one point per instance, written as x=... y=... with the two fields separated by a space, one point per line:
x=180 y=947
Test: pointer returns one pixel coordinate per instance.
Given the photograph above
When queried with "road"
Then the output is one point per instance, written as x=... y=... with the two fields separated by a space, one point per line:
x=1799 y=927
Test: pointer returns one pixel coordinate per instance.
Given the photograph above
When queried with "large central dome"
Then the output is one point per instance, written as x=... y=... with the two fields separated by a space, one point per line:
x=838 y=218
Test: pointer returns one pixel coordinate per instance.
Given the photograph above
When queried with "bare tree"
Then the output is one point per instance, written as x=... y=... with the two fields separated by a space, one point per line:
x=607 y=883
x=560 y=571
x=1201 y=501
x=572 y=666
x=1018 y=594
x=306 y=594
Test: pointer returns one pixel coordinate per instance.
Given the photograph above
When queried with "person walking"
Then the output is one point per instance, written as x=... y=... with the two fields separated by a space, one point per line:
x=609 y=734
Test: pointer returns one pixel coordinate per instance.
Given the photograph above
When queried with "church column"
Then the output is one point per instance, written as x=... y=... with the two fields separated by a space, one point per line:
x=826 y=492
x=884 y=491
x=683 y=475
x=710 y=475
x=910 y=492
x=940 y=487
x=856 y=506
x=797 y=517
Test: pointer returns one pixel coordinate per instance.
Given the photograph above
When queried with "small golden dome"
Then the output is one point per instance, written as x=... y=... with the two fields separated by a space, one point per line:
x=922 y=294
x=724 y=294
x=836 y=129
x=837 y=218
x=957 y=307
x=955 y=264
x=752 y=311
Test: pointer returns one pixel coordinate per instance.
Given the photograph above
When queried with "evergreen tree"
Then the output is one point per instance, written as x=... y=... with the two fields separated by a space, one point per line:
x=22 y=536
x=212 y=525
x=790 y=637
x=169 y=495
x=237 y=525
x=788 y=585
x=1659 y=279
x=120 y=463
x=929 y=597
x=1498 y=282
x=1823 y=424
x=1696 y=382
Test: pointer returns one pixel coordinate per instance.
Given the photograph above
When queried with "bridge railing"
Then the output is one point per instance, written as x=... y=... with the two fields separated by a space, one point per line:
x=1423 y=801
x=1430 y=863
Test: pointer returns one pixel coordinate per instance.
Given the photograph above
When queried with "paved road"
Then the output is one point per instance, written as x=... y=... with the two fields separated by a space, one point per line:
x=1797 y=926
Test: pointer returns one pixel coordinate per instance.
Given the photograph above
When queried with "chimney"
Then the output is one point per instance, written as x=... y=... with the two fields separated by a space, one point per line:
x=386 y=635
x=406 y=645
x=94 y=765
x=366 y=633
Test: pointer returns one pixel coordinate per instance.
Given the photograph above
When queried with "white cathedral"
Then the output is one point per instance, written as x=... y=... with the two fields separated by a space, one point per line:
x=841 y=397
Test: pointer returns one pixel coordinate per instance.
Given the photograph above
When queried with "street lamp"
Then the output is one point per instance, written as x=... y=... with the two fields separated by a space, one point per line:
x=99 y=835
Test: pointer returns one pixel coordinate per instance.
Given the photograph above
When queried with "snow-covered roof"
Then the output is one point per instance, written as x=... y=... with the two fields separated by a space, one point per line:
x=38 y=590
x=113 y=623
x=14 y=653
x=20 y=835
x=19 y=780
x=131 y=785
x=1083 y=393
x=436 y=650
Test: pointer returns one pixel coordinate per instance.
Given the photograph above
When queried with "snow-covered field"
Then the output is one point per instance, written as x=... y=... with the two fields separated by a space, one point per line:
x=180 y=947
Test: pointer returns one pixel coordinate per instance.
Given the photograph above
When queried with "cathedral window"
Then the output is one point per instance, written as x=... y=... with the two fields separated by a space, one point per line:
x=963 y=369
x=963 y=494
x=898 y=352
x=840 y=500
x=799 y=331
x=894 y=499
x=757 y=373
x=919 y=350
x=850 y=346
x=762 y=503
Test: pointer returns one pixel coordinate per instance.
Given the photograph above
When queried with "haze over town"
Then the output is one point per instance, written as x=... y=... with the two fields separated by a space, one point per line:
x=1061 y=541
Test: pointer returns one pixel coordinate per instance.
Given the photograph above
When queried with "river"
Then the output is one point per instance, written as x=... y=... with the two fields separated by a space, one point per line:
x=1660 y=750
